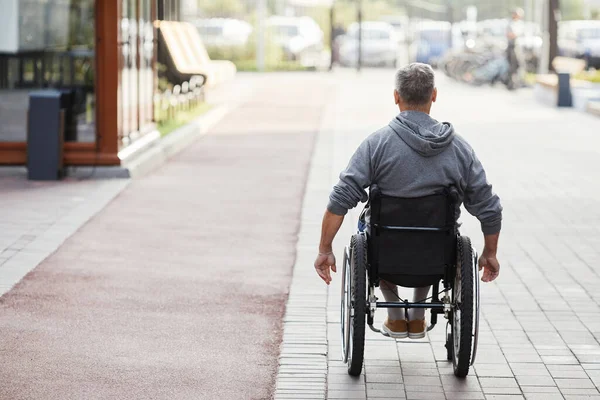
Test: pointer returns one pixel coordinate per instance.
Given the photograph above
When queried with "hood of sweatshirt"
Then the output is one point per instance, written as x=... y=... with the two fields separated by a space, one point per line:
x=422 y=133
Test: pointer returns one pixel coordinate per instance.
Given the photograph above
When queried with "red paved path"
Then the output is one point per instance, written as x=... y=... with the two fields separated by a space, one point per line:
x=176 y=290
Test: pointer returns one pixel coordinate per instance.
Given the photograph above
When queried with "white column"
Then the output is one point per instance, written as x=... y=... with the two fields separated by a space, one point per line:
x=261 y=13
x=189 y=10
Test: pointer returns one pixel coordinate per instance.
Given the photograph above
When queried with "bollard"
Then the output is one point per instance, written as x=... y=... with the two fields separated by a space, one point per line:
x=565 y=98
x=45 y=136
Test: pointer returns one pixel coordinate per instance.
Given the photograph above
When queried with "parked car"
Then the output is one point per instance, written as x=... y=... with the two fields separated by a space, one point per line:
x=301 y=38
x=580 y=39
x=432 y=39
x=401 y=26
x=380 y=45
x=223 y=32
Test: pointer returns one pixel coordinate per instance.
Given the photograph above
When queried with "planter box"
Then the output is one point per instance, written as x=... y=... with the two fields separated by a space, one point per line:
x=546 y=91
x=584 y=94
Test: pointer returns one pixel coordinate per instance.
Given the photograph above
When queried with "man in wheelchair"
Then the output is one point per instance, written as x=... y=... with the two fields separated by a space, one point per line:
x=414 y=156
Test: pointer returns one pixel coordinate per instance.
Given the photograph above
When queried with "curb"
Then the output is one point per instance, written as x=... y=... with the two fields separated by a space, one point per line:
x=153 y=151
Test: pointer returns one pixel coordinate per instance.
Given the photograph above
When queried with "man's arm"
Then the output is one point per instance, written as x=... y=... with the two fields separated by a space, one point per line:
x=326 y=259
x=484 y=204
x=345 y=195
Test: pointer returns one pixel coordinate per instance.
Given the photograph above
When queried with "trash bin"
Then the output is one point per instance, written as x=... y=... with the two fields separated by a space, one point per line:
x=565 y=97
x=45 y=136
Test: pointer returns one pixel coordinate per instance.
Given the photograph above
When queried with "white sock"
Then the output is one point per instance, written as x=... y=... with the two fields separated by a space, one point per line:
x=419 y=294
x=390 y=294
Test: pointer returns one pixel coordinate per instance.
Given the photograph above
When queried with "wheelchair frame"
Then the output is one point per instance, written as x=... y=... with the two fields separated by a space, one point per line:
x=460 y=303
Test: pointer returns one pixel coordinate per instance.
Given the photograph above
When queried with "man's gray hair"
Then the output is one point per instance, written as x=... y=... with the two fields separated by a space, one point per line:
x=415 y=83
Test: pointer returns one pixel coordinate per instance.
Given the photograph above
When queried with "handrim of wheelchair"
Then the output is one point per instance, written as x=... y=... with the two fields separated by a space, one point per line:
x=412 y=242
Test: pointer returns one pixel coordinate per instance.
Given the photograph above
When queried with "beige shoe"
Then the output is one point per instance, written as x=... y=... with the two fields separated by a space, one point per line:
x=417 y=329
x=396 y=329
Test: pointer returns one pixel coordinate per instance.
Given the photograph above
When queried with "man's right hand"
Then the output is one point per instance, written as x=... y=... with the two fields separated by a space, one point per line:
x=490 y=265
x=323 y=264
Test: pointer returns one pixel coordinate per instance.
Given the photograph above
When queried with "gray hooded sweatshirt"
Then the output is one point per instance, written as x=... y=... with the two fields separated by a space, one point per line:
x=415 y=156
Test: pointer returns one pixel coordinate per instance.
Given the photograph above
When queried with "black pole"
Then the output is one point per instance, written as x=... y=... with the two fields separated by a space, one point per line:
x=331 y=35
x=160 y=10
x=553 y=17
x=359 y=62
x=450 y=16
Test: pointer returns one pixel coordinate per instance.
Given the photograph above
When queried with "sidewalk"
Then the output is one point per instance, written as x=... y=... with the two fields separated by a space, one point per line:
x=177 y=288
x=541 y=320
x=37 y=217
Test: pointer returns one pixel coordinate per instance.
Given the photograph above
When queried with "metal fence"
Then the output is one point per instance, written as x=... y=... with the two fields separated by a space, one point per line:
x=181 y=98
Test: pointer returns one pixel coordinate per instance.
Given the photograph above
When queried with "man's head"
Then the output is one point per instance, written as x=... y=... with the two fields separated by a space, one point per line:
x=415 y=88
x=517 y=14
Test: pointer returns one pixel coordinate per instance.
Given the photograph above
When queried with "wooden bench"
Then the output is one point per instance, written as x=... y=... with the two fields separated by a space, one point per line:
x=185 y=56
x=571 y=66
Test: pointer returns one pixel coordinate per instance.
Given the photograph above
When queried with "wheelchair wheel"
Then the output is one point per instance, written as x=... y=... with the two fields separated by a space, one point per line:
x=345 y=309
x=463 y=298
x=355 y=312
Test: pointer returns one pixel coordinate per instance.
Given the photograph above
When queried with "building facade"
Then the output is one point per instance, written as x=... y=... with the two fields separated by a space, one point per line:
x=102 y=53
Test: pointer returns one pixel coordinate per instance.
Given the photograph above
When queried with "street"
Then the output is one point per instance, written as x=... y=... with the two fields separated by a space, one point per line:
x=177 y=289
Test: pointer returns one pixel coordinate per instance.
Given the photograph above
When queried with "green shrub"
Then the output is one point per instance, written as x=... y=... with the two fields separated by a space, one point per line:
x=244 y=57
x=592 y=76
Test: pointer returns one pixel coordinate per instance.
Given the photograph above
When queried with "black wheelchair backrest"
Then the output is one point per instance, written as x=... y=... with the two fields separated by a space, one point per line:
x=412 y=237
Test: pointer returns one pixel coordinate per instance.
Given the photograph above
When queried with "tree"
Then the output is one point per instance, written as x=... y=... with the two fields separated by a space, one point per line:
x=221 y=8
x=572 y=9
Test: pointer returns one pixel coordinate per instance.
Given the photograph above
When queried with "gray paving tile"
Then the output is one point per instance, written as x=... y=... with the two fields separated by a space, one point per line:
x=383 y=369
x=498 y=383
x=579 y=391
x=534 y=380
x=567 y=371
x=503 y=397
x=544 y=396
x=493 y=370
x=529 y=369
x=568 y=383
x=345 y=394
x=384 y=378
x=378 y=393
x=540 y=389
x=424 y=396
x=345 y=387
x=385 y=386
x=422 y=380
x=465 y=396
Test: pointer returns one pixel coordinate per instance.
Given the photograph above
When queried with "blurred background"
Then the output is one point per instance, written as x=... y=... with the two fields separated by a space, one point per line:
x=305 y=34
x=138 y=69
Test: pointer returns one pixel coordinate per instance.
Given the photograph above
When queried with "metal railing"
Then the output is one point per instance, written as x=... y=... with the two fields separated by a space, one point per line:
x=180 y=98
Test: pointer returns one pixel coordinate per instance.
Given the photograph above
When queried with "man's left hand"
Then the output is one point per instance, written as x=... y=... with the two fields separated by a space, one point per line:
x=323 y=263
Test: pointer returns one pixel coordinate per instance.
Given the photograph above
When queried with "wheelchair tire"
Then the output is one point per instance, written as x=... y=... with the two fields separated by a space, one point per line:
x=462 y=316
x=358 y=266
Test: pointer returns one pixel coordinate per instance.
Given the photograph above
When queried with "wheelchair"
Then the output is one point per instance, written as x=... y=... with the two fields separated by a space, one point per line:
x=412 y=242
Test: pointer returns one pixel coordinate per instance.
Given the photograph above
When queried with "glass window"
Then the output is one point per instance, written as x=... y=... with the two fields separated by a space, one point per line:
x=136 y=73
x=54 y=48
